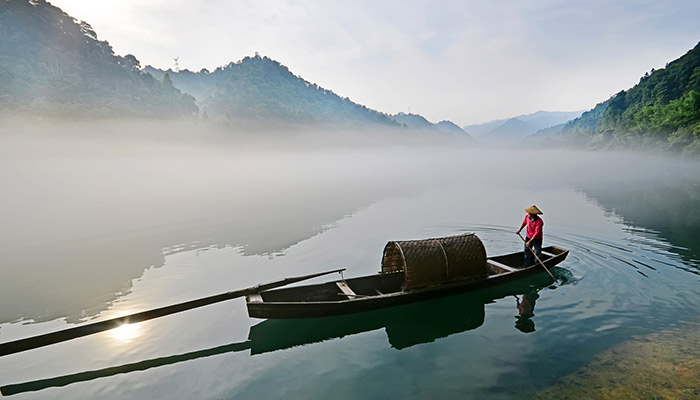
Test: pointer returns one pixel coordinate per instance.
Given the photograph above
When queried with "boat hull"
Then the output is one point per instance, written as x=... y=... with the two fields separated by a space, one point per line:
x=323 y=300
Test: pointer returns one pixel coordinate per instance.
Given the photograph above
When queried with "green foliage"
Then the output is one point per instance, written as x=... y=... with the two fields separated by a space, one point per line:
x=261 y=89
x=587 y=122
x=662 y=110
x=50 y=64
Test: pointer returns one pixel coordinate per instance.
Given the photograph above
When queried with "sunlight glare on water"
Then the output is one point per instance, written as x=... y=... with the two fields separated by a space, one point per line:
x=125 y=334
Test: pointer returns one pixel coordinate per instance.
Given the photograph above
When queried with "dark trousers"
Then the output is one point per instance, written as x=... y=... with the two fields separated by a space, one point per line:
x=536 y=245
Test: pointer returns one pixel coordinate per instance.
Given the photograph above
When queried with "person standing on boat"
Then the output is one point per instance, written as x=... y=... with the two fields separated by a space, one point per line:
x=533 y=233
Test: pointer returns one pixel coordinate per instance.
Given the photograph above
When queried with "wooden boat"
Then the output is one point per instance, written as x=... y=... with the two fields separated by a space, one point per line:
x=411 y=271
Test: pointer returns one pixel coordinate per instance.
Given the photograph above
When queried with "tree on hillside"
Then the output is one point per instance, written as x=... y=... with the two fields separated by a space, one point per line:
x=261 y=89
x=52 y=64
x=662 y=109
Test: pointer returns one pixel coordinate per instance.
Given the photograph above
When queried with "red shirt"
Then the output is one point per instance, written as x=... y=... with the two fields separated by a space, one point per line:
x=534 y=227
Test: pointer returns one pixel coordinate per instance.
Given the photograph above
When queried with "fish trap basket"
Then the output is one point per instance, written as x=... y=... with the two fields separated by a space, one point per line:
x=432 y=262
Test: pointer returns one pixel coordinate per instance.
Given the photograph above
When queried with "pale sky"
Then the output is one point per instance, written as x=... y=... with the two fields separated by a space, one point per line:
x=463 y=61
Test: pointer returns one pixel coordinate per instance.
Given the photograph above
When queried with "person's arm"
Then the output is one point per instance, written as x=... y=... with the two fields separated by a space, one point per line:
x=522 y=225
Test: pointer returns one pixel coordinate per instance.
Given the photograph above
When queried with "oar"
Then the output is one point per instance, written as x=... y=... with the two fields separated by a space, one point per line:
x=535 y=254
x=84 y=330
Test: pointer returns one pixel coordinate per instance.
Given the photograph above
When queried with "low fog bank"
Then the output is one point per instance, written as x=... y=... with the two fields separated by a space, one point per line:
x=89 y=206
x=133 y=136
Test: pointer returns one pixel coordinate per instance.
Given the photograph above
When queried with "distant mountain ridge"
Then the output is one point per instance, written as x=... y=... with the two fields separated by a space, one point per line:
x=512 y=130
x=538 y=120
x=413 y=121
x=261 y=89
x=509 y=132
x=450 y=127
x=218 y=97
x=419 y=122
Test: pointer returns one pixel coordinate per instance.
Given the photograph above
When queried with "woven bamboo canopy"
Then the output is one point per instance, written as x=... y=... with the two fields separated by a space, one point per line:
x=431 y=262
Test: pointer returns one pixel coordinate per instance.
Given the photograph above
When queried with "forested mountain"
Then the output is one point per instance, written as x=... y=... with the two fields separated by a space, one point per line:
x=418 y=122
x=451 y=127
x=661 y=111
x=261 y=89
x=50 y=64
x=412 y=121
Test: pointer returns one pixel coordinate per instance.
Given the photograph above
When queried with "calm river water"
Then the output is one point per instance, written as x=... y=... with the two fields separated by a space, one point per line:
x=94 y=228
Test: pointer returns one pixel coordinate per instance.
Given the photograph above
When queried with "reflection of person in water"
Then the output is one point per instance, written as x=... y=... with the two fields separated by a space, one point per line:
x=526 y=308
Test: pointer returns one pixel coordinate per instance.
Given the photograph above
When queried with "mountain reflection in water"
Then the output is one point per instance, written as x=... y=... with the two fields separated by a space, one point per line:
x=405 y=326
x=667 y=204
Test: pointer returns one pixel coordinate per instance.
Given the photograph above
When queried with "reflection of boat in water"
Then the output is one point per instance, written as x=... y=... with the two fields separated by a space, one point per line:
x=412 y=271
x=405 y=326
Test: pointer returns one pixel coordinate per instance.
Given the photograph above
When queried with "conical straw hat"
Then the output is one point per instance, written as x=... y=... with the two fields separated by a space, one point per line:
x=533 y=210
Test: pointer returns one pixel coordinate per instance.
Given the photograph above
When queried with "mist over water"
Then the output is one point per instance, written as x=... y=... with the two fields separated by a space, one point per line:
x=104 y=218
x=88 y=207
